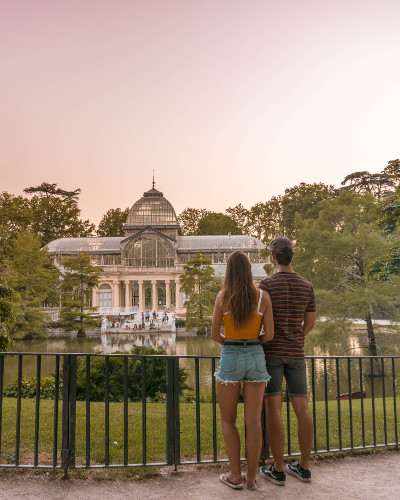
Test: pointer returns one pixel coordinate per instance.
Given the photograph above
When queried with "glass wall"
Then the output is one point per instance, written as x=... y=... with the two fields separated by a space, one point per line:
x=149 y=251
x=105 y=296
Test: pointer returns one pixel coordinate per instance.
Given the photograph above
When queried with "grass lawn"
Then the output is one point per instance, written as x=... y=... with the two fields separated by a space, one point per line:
x=156 y=430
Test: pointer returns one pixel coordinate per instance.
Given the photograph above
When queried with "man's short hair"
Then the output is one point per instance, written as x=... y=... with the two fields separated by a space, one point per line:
x=282 y=248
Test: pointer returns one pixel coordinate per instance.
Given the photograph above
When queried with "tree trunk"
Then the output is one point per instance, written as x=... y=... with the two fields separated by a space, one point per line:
x=371 y=335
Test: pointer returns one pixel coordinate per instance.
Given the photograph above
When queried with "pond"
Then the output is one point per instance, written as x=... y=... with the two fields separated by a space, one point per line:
x=189 y=344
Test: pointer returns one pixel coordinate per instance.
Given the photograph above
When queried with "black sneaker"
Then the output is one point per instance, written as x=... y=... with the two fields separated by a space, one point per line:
x=272 y=475
x=297 y=470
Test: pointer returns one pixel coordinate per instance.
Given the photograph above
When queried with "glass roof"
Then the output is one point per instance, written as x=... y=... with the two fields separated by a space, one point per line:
x=102 y=244
x=152 y=210
x=234 y=242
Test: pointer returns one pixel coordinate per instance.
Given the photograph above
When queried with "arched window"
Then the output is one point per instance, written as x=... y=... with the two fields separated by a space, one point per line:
x=149 y=251
x=105 y=296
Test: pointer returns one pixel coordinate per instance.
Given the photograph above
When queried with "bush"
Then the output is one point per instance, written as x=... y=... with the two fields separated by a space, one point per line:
x=155 y=376
x=28 y=388
x=180 y=323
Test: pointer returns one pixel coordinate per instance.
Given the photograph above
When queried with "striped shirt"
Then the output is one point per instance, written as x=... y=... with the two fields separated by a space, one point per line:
x=291 y=297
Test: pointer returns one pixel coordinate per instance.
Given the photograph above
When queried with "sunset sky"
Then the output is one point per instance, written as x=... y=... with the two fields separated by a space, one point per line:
x=229 y=101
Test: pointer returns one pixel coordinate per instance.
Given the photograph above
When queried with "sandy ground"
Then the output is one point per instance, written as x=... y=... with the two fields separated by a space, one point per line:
x=368 y=477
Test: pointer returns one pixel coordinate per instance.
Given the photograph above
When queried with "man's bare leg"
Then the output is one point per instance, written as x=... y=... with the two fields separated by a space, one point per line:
x=305 y=429
x=276 y=435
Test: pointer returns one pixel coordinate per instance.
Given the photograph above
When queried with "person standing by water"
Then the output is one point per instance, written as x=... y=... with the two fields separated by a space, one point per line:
x=293 y=304
x=243 y=310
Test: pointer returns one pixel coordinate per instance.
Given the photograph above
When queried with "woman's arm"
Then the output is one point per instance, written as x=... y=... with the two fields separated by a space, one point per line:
x=268 y=318
x=217 y=319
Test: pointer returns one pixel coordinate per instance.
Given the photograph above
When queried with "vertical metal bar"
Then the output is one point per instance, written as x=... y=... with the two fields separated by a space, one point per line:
x=313 y=403
x=362 y=402
x=177 y=419
x=87 y=397
x=56 y=399
x=214 y=409
x=350 y=403
x=65 y=413
x=338 y=403
x=170 y=410
x=1 y=394
x=384 y=399
x=125 y=410
x=197 y=377
x=144 y=431
x=18 y=421
x=326 y=405
x=289 y=442
x=72 y=411
x=37 y=410
x=107 y=411
x=394 y=402
x=265 y=447
x=373 y=399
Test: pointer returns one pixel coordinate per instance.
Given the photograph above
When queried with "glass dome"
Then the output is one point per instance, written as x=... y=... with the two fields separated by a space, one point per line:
x=152 y=210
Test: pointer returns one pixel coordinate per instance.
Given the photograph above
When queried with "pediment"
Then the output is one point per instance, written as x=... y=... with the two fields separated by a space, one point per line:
x=146 y=230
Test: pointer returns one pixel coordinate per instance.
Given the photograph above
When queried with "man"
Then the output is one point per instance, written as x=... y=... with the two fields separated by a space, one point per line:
x=293 y=305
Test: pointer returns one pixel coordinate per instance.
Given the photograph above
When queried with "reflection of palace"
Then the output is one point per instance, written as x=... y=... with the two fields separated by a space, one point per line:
x=142 y=268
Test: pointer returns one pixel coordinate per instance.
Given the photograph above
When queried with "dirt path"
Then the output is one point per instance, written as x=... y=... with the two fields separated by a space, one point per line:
x=369 y=477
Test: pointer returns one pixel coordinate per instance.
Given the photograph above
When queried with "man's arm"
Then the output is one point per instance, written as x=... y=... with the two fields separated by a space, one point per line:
x=309 y=320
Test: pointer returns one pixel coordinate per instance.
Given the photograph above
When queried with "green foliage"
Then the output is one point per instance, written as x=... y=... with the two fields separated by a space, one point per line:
x=155 y=376
x=180 y=323
x=55 y=213
x=79 y=278
x=112 y=221
x=240 y=215
x=379 y=185
x=335 y=251
x=28 y=388
x=386 y=266
x=15 y=216
x=217 y=223
x=200 y=286
x=33 y=277
x=189 y=220
x=6 y=294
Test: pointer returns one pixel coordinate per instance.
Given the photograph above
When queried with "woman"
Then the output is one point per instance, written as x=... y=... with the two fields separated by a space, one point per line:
x=243 y=309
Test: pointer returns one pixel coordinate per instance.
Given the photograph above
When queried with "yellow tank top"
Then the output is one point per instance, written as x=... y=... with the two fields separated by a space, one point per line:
x=250 y=330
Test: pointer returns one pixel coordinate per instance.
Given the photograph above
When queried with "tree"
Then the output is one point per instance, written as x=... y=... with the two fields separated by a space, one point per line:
x=32 y=275
x=78 y=279
x=55 y=213
x=379 y=185
x=15 y=216
x=6 y=294
x=112 y=221
x=199 y=284
x=189 y=220
x=240 y=215
x=335 y=252
x=217 y=223
x=264 y=219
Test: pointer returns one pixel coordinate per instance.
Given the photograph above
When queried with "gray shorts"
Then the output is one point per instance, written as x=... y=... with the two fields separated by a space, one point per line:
x=295 y=374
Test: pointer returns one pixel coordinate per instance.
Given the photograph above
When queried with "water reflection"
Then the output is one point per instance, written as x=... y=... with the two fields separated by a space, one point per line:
x=189 y=344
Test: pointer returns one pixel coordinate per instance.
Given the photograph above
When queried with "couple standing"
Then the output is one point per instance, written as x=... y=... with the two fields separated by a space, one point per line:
x=285 y=306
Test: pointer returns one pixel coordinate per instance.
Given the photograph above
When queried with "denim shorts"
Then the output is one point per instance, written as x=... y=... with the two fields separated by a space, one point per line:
x=242 y=363
x=294 y=371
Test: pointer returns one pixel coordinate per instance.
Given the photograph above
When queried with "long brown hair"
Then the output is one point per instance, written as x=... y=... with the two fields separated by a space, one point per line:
x=239 y=295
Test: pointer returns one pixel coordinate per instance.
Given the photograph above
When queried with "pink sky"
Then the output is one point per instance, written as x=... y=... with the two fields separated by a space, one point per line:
x=229 y=101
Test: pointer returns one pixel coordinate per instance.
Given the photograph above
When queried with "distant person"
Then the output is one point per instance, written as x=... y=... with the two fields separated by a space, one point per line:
x=293 y=304
x=243 y=309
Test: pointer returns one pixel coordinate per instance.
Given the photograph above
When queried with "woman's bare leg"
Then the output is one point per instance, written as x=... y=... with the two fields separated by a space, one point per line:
x=253 y=393
x=228 y=395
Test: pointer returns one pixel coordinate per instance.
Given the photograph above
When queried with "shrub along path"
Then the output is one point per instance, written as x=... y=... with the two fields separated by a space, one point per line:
x=366 y=477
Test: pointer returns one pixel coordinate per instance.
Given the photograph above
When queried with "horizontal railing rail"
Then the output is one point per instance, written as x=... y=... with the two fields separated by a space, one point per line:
x=131 y=410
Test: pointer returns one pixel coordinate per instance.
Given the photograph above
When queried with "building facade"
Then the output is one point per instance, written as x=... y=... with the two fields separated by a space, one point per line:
x=141 y=270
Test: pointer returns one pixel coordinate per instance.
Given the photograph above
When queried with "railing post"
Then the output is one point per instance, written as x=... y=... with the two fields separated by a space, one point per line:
x=68 y=426
x=170 y=410
x=177 y=425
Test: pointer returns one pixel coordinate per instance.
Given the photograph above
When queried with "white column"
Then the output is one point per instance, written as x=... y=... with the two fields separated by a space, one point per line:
x=178 y=294
x=115 y=294
x=95 y=297
x=141 y=301
x=127 y=301
x=154 y=295
x=167 y=294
